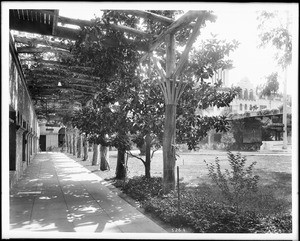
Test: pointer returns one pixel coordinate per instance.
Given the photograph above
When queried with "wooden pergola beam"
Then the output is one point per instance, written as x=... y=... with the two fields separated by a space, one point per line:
x=35 y=41
x=73 y=21
x=131 y=31
x=68 y=73
x=33 y=50
x=56 y=64
x=50 y=88
x=153 y=16
x=183 y=21
x=122 y=28
x=188 y=46
x=148 y=15
x=67 y=33
x=54 y=77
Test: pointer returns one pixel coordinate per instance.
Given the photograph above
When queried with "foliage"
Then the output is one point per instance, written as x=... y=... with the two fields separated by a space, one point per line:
x=209 y=57
x=201 y=211
x=141 y=188
x=274 y=30
x=228 y=140
x=280 y=223
x=238 y=127
x=237 y=182
x=272 y=85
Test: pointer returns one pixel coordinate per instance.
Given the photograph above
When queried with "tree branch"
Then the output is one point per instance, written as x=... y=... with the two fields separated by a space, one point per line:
x=141 y=159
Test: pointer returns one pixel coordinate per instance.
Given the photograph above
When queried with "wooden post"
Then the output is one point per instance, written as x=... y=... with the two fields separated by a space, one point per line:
x=75 y=142
x=95 y=154
x=71 y=143
x=178 y=189
x=104 y=158
x=80 y=147
x=170 y=119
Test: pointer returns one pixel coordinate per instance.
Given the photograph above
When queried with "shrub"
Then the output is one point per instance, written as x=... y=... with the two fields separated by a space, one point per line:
x=279 y=223
x=199 y=210
x=234 y=184
x=228 y=140
x=200 y=214
x=142 y=188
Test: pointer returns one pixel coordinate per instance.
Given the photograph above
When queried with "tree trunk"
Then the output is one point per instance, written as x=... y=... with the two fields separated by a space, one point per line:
x=95 y=154
x=80 y=147
x=67 y=143
x=85 y=149
x=121 y=168
x=75 y=144
x=71 y=143
x=104 y=158
x=148 y=155
x=169 y=148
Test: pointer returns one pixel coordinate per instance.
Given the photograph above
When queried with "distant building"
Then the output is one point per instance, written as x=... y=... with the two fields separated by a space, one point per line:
x=249 y=103
x=51 y=136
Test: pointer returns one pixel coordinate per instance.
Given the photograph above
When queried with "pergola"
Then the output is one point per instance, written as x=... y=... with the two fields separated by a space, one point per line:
x=58 y=82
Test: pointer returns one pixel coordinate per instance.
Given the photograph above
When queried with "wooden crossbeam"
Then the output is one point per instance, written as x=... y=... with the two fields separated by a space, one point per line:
x=67 y=33
x=50 y=88
x=61 y=78
x=66 y=72
x=175 y=26
x=148 y=15
x=33 y=50
x=155 y=17
x=35 y=41
x=55 y=64
x=188 y=46
x=72 y=21
x=122 y=28
x=131 y=31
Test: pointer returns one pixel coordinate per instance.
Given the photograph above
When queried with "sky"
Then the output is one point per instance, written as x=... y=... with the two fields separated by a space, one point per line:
x=233 y=22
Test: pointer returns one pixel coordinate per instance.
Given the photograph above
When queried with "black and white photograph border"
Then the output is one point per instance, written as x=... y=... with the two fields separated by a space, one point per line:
x=251 y=68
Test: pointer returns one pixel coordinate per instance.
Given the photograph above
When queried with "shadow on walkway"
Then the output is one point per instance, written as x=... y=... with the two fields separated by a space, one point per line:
x=57 y=194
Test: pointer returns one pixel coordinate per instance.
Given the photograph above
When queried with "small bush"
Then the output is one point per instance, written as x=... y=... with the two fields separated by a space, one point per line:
x=236 y=183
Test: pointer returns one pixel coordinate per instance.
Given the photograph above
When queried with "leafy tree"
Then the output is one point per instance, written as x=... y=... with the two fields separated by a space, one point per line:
x=148 y=122
x=272 y=85
x=274 y=31
x=118 y=69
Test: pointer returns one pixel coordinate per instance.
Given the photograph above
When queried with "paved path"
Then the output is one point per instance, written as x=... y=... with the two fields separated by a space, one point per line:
x=57 y=194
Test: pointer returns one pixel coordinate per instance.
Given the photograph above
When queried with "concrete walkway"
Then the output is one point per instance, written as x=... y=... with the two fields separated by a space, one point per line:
x=57 y=194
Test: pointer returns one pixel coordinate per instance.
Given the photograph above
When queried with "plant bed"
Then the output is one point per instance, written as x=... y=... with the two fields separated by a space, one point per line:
x=203 y=210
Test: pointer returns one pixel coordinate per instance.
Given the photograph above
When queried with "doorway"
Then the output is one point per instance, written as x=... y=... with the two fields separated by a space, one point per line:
x=42 y=142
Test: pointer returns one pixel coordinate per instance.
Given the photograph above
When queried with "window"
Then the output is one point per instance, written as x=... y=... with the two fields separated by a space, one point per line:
x=246 y=94
x=251 y=95
x=250 y=108
x=246 y=106
x=241 y=107
x=240 y=95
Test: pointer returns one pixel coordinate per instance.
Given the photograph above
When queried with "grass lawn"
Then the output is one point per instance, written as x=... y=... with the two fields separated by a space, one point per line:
x=193 y=170
x=275 y=171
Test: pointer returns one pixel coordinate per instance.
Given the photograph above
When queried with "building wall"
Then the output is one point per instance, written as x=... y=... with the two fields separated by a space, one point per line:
x=51 y=133
x=23 y=124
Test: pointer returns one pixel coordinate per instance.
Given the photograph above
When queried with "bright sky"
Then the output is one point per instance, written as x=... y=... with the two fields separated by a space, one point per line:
x=235 y=21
